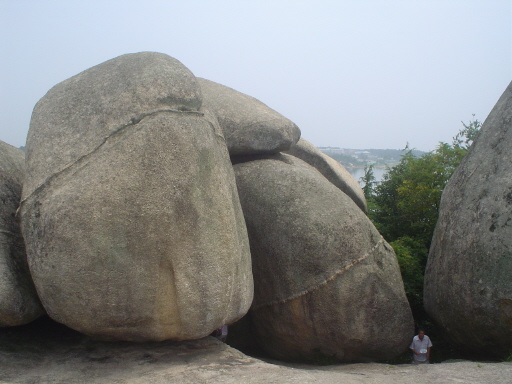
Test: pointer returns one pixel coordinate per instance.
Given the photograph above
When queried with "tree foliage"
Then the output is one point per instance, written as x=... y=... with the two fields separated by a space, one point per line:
x=369 y=181
x=407 y=200
x=412 y=257
x=404 y=206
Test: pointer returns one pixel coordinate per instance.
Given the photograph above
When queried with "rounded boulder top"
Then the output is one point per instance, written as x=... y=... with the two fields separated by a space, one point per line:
x=89 y=107
x=249 y=126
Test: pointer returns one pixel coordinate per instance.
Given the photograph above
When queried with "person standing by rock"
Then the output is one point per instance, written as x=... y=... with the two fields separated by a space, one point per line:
x=420 y=348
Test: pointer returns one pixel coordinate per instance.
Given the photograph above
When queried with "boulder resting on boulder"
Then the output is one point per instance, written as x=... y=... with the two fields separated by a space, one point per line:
x=250 y=127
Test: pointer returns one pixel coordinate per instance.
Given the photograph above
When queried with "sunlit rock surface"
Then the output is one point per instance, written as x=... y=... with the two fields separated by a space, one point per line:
x=130 y=211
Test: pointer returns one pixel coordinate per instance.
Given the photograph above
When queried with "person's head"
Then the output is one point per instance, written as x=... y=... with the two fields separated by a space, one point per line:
x=421 y=334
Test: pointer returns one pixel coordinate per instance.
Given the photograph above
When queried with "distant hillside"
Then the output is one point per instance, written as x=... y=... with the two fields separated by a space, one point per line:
x=357 y=158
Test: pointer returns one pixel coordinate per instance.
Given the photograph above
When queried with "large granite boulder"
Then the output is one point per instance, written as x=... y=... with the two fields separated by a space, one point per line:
x=130 y=212
x=250 y=127
x=468 y=280
x=19 y=303
x=331 y=169
x=327 y=285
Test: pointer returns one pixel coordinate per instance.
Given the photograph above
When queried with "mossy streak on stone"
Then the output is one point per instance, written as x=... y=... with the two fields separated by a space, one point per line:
x=334 y=276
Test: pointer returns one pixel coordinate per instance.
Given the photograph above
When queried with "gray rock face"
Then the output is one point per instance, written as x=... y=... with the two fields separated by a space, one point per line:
x=468 y=280
x=130 y=211
x=331 y=169
x=250 y=127
x=19 y=303
x=326 y=282
x=59 y=356
x=101 y=101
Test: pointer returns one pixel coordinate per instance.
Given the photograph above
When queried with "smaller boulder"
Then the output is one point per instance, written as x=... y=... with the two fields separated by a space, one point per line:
x=19 y=303
x=326 y=284
x=249 y=126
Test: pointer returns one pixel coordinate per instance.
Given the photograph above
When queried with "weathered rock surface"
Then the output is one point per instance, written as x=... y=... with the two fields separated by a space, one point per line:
x=468 y=280
x=331 y=169
x=19 y=303
x=53 y=355
x=326 y=282
x=130 y=211
x=250 y=127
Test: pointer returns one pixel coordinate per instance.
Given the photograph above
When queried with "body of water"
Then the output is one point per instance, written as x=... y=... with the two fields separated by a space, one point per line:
x=357 y=173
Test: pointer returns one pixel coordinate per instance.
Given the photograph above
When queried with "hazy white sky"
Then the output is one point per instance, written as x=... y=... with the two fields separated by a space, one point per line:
x=353 y=74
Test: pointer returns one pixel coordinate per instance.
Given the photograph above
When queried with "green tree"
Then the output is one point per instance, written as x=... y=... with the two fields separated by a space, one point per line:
x=369 y=181
x=412 y=257
x=407 y=200
x=468 y=134
x=405 y=206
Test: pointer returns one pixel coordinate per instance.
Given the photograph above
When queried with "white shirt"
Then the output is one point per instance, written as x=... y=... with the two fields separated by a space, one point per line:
x=420 y=346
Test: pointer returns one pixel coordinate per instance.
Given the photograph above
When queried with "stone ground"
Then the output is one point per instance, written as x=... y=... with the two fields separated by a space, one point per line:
x=51 y=354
